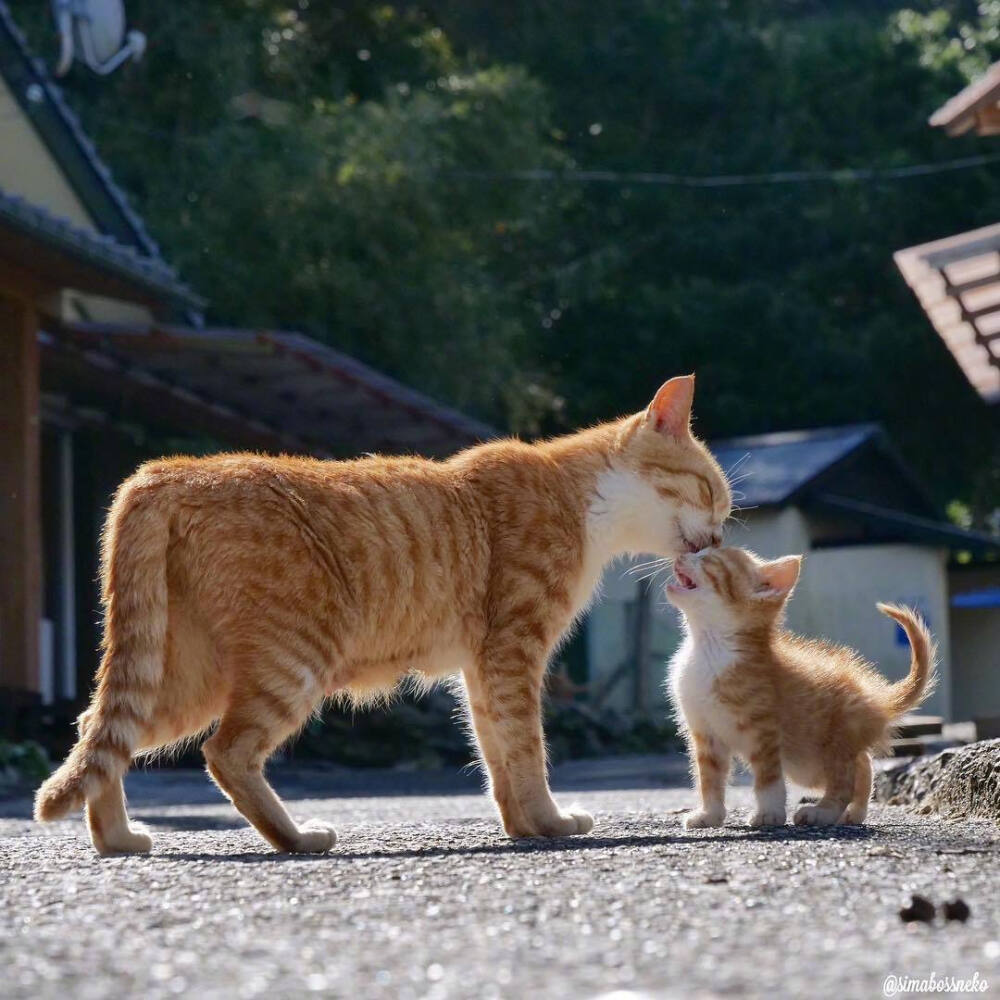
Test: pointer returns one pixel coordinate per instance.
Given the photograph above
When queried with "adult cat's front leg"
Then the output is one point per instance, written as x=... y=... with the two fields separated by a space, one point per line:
x=505 y=689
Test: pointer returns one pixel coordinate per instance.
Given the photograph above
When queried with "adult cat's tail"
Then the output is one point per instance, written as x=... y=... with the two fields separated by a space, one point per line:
x=912 y=689
x=134 y=576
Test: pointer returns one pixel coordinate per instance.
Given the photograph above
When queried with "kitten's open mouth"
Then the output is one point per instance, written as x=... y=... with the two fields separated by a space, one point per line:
x=683 y=581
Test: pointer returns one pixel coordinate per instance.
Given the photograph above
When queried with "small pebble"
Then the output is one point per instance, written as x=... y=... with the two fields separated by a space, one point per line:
x=956 y=909
x=920 y=908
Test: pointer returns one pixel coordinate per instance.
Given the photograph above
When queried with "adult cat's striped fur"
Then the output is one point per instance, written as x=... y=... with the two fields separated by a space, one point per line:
x=242 y=589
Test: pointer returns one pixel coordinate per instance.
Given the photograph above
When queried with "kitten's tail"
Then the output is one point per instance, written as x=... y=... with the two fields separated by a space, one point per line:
x=134 y=575
x=912 y=689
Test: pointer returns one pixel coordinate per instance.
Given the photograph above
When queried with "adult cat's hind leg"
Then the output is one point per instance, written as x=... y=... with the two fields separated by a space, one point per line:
x=109 y=826
x=256 y=722
x=107 y=818
x=857 y=811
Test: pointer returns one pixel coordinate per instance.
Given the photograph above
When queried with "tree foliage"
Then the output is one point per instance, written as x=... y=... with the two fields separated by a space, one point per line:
x=382 y=210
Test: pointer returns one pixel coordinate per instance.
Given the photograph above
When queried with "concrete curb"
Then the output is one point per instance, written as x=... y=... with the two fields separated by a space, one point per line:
x=956 y=783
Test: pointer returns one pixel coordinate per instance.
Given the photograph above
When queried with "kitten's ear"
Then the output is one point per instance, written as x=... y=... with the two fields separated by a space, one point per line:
x=777 y=578
x=670 y=411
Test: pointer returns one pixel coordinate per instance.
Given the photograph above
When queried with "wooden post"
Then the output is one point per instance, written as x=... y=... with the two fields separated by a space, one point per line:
x=20 y=509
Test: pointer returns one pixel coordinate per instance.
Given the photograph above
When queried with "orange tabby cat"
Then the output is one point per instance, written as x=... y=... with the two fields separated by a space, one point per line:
x=784 y=704
x=242 y=589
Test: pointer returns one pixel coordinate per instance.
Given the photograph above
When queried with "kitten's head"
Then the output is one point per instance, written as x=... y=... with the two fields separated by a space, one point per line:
x=673 y=493
x=730 y=588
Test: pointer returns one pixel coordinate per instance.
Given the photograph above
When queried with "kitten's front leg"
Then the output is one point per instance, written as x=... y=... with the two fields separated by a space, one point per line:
x=711 y=762
x=768 y=782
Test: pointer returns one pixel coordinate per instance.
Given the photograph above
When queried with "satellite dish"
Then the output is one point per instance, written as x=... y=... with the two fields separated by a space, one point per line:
x=94 y=31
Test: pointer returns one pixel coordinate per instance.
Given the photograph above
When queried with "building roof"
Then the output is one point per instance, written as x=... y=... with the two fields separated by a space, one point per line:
x=770 y=469
x=974 y=107
x=957 y=281
x=259 y=388
x=59 y=128
x=850 y=471
x=80 y=258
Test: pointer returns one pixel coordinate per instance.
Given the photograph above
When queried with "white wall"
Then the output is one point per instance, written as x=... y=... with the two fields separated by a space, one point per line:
x=835 y=599
x=841 y=586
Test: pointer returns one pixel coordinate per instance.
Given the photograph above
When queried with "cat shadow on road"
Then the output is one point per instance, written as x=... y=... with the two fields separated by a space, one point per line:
x=732 y=835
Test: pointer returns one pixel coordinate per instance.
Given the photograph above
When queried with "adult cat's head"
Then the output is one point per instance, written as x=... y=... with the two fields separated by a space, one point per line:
x=665 y=488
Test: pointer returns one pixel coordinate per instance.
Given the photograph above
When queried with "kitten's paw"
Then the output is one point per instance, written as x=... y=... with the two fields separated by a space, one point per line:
x=813 y=815
x=565 y=823
x=315 y=837
x=702 y=819
x=124 y=842
x=768 y=817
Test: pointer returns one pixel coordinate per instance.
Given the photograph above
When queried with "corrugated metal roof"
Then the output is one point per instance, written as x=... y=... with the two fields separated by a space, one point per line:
x=769 y=469
x=301 y=389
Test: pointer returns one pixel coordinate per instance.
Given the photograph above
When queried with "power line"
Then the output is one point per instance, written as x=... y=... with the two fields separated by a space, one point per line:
x=846 y=175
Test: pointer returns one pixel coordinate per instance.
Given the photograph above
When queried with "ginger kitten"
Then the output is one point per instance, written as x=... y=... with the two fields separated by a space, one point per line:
x=784 y=704
x=240 y=590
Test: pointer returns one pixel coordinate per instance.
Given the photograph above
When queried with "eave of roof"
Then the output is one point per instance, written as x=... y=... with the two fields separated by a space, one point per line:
x=918 y=528
x=973 y=105
x=302 y=390
x=62 y=132
x=957 y=282
x=86 y=260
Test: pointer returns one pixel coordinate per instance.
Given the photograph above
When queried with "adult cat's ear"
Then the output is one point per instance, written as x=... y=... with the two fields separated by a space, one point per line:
x=670 y=411
x=778 y=577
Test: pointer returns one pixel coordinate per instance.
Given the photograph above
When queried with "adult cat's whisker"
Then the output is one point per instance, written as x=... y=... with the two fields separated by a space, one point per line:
x=652 y=564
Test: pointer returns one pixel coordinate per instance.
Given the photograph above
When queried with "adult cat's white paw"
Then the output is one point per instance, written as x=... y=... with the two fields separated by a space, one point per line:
x=127 y=841
x=315 y=837
x=565 y=823
x=813 y=815
x=702 y=819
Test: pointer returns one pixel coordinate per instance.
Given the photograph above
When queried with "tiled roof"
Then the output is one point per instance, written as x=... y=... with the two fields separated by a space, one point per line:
x=151 y=274
x=771 y=468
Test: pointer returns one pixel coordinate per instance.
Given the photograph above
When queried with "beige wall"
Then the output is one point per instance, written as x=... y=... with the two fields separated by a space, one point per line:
x=27 y=168
x=835 y=599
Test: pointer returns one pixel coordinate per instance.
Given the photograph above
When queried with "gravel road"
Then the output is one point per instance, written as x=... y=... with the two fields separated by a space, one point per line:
x=422 y=896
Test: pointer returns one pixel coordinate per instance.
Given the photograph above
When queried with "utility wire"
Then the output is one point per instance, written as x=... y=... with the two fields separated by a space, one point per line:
x=845 y=175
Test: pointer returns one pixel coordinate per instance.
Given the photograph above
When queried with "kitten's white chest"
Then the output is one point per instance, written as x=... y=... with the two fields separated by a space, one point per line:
x=694 y=670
